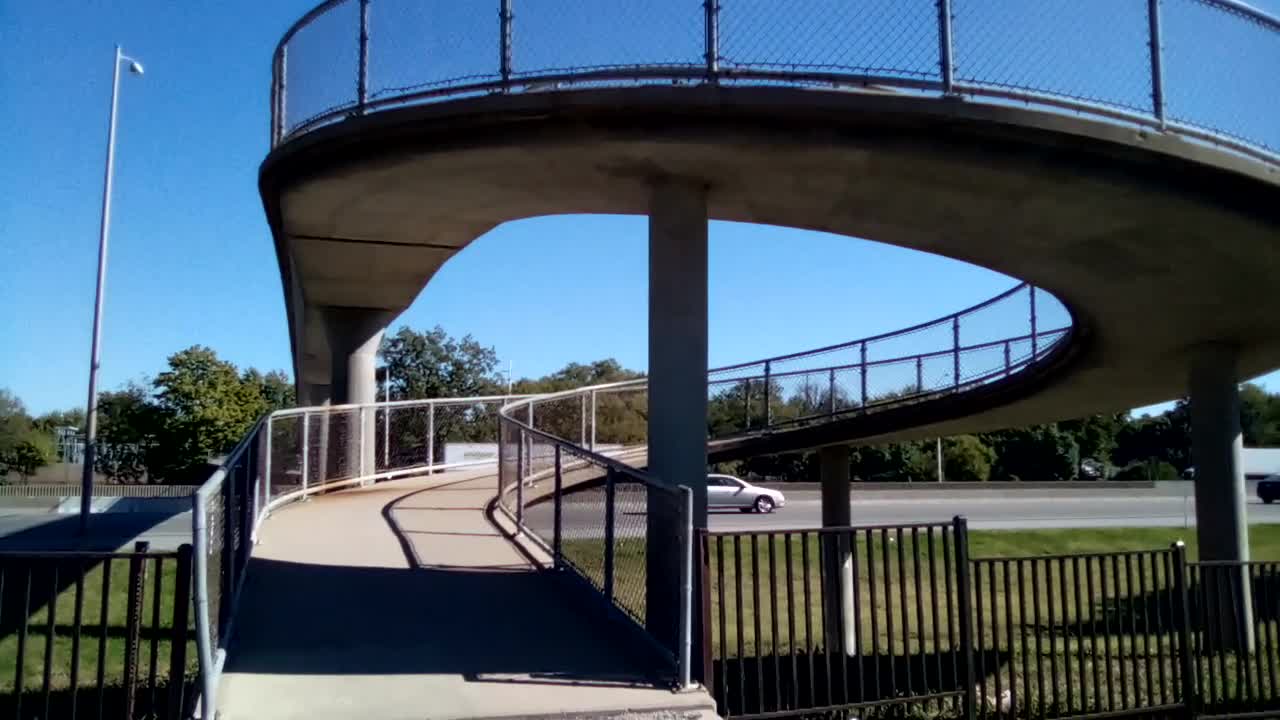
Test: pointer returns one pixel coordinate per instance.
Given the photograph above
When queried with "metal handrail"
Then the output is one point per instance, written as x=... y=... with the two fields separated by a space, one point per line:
x=709 y=68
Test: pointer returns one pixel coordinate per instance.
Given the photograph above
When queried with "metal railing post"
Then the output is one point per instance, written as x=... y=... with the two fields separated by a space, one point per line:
x=275 y=99
x=746 y=403
x=946 y=61
x=431 y=436
x=519 y=478
x=1008 y=359
x=582 y=420
x=862 y=371
x=283 y=97
x=964 y=608
x=557 y=505
x=504 y=41
x=178 y=633
x=133 y=623
x=386 y=437
x=362 y=79
x=361 y=437
x=1183 y=622
x=711 y=20
x=919 y=374
x=306 y=449
x=768 y=407
x=205 y=642
x=593 y=421
x=609 y=493
x=831 y=391
x=1157 y=60
x=1035 y=351
x=955 y=351
x=685 y=657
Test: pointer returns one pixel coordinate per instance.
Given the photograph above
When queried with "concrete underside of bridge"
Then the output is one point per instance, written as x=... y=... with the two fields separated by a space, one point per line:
x=1155 y=244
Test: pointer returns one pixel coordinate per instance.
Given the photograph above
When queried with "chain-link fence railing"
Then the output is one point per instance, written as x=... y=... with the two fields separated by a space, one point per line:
x=1202 y=68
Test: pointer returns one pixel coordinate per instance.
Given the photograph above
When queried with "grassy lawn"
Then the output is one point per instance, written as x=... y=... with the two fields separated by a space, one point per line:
x=1096 y=631
x=102 y=645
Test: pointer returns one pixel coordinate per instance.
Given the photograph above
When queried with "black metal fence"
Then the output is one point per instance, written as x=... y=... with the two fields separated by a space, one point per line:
x=96 y=634
x=900 y=622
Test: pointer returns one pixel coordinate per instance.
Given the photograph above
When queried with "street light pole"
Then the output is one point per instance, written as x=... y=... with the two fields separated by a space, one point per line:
x=91 y=414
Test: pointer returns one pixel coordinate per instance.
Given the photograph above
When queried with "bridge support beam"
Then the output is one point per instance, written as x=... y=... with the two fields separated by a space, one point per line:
x=1222 y=528
x=677 y=389
x=837 y=556
x=354 y=337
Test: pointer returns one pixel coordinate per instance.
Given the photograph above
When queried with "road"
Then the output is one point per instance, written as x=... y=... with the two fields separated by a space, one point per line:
x=29 y=528
x=1157 y=507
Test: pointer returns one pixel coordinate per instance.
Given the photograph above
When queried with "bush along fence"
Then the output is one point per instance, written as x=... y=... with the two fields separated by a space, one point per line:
x=899 y=621
x=96 y=634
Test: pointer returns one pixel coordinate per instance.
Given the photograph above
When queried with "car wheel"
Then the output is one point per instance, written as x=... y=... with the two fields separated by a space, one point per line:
x=764 y=504
x=1268 y=500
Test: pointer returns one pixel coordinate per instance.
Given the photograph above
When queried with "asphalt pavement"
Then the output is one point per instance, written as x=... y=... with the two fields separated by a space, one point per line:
x=1014 y=509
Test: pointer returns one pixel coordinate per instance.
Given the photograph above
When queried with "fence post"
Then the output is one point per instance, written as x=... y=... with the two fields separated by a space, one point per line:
x=712 y=46
x=1008 y=364
x=862 y=371
x=133 y=622
x=1183 y=622
x=964 y=602
x=306 y=450
x=831 y=391
x=386 y=436
x=504 y=42
x=593 y=421
x=1157 y=60
x=919 y=374
x=283 y=97
x=746 y=403
x=519 y=478
x=178 y=633
x=946 y=63
x=768 y=409
x=955 y=351
x=685 y=657
x=205 y=641
x=582 y=420
x=360 y=436
x=557 y=503
x=362 y=79
x=1034 y=340
x=609 y=492
x=431 y=436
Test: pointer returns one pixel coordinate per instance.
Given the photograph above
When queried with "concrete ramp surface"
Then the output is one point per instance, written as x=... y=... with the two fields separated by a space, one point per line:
x=402 y=600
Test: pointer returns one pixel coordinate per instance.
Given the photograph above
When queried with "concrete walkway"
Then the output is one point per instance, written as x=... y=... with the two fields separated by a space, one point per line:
x=402 y=600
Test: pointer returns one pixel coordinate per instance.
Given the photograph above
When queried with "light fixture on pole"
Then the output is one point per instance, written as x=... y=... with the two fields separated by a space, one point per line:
x=91 y=414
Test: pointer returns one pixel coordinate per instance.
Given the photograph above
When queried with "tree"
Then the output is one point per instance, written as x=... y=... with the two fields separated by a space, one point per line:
x=966 y=458
x=894 y=462
x=129 y=433
x=1040 y=452
x=51 y=421
x=275 y=388
x=433 y=364
x=205 y=409
x=32 y=453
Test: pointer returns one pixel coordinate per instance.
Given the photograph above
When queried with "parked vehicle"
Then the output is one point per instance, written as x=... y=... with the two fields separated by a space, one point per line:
x=727 y=491
x=1269 y=489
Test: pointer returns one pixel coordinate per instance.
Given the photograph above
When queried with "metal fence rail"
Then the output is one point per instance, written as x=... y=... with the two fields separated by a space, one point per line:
x=1198 y=68
x=43 y=490
x=97 y=634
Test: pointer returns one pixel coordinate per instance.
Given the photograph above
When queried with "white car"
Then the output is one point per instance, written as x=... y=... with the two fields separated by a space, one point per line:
x=727 y=491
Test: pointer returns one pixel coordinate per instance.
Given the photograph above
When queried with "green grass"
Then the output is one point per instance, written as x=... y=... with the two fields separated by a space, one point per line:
x=102 y=647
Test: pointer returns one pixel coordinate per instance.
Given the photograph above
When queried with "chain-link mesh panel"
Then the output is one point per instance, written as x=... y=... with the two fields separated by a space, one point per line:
x=894 y=38
x=560 y=36
x=583 y=516
x=1220 y=71
x=287 y=443
x=419 y=45
x=322 y=65
x=1095 y=51
x=633 y=501
x=215 y=569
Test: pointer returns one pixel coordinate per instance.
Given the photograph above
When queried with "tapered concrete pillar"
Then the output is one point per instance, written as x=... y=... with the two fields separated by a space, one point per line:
x=1221 y=524
x=837 y=556
x=354 y=337
x=677 y=387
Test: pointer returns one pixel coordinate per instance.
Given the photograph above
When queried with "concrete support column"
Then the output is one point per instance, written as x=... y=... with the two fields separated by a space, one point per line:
x=354 y=337
x=677 y=388
x=1221 y=525
x=837 y=556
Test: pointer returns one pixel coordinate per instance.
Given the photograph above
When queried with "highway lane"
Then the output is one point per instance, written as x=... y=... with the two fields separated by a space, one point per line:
x=584 y=514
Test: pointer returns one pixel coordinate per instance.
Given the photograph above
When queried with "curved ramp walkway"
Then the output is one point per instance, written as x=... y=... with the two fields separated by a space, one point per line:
x=402 y=600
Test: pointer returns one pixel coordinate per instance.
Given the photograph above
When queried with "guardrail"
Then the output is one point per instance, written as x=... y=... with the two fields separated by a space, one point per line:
x=1202 y=69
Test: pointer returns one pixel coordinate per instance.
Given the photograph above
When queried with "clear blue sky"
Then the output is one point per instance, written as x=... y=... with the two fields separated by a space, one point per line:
x=191 y=256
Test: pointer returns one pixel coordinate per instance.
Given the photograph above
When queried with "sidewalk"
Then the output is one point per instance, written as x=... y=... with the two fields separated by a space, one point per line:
x=402 y=600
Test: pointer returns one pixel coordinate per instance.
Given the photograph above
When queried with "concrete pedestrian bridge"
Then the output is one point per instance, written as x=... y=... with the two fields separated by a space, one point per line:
x=1124 y=168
